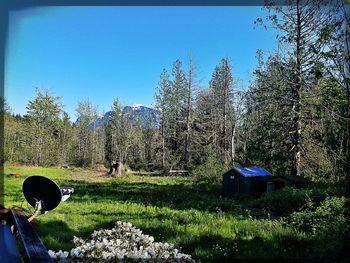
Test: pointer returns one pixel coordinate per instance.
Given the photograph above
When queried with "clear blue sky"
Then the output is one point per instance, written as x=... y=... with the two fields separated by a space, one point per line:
x=100 y=53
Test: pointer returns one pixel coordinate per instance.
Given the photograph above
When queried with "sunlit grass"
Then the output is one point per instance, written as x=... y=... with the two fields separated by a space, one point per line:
x=172 y=209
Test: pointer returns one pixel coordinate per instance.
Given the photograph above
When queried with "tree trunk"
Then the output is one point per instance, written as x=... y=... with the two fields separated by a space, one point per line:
x=120 y=165
x=347 y=90
x=188 y=116
x=163 y=143
x=225 y=123
x=347 y=168
x=233 y=149
x=296 y=121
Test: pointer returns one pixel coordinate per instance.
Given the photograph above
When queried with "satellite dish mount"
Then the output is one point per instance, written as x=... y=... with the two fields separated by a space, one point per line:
x=44 y=194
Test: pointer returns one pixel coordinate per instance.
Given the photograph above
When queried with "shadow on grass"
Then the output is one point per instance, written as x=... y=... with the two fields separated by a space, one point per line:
x=251 y=248
x=58 y=235
x=215 y=248
x=202 y=197
x=205 y=246
x=209 y=247
x=177 y=196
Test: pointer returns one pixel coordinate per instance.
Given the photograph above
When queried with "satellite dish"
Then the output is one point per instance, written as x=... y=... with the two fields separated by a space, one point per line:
x=42 y=193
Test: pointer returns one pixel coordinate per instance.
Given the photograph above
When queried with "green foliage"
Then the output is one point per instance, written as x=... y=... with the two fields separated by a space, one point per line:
x=210 y=171
x=34 y=138
x=113 y=126
x=327 y=218
x=326 y=223
x=86 y=113
x=284 y=201
x=45 y=110
x=176 y=210
x=297 y=107
x=266 y=122
x=323 y=140
x=289 y=199
x=221 y=110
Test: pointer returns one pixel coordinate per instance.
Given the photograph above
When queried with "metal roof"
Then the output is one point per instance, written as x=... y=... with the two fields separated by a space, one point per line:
x=253 y=171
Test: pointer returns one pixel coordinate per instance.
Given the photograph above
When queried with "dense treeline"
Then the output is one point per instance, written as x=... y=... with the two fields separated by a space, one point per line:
x=294 y=117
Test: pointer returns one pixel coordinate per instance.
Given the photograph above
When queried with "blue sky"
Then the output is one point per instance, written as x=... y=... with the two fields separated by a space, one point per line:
x=101 y=53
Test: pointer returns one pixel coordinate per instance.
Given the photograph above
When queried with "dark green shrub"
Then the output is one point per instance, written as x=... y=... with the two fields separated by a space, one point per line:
x=137 y=166
x=289 y=199
x=211 y=171
x=148 y=167
x=154 y=167
x=326 y=226
x=282 y=202
x=327 y=218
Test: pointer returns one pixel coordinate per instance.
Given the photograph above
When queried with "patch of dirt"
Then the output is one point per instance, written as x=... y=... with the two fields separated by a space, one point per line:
x=100 y=168
x=86 y=175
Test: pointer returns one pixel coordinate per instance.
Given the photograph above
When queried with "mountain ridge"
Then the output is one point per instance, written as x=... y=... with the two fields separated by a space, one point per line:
x=135 y=113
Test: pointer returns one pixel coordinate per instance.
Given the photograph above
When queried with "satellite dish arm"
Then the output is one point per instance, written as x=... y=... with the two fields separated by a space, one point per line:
x=38 y=207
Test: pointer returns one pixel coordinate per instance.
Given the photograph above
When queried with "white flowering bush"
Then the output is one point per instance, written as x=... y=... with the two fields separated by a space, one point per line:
x=122 y=243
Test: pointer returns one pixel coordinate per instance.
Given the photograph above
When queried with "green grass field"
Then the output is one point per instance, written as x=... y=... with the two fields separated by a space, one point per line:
x=172 y=209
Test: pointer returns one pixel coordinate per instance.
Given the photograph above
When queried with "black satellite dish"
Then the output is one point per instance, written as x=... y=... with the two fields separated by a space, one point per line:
x=42 y=193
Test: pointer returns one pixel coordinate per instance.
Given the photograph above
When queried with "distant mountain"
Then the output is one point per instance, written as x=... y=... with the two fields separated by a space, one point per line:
x=137 y=113
x=142 y=114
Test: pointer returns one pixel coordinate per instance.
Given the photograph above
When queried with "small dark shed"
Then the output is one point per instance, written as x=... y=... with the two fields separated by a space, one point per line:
x=278 y=182
x=245 y=180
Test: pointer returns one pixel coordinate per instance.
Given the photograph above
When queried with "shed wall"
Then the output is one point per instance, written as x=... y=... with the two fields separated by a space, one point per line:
x=235 y=183
x=230 y=185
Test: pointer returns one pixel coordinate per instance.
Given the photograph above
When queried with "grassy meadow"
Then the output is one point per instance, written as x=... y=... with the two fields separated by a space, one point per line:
x=193 y=216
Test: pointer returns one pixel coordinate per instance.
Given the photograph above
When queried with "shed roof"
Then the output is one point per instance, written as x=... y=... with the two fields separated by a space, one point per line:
x=252 y=171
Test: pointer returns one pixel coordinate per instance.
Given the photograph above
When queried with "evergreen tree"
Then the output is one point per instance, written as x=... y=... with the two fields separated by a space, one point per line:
x=66 y=140
x=176 y=116
x=162 y=100
x=188 y=110
x=221 y=89
x=267 y=116
x=300 y=22
x=148 y=139
x=117 y=139
x=84 y=135
x=44 y=115
x=203 y=131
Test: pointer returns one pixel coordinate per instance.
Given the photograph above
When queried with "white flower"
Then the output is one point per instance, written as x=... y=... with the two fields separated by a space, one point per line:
x=123 y=240
x=64 y=254
x=52 y=254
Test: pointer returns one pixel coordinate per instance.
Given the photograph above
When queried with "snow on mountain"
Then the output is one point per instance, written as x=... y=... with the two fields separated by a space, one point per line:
x=136 y=106
x=136 y=112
